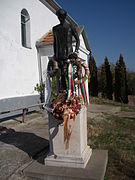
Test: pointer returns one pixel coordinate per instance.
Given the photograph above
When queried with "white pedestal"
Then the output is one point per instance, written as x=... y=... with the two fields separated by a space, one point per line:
x=78 y=153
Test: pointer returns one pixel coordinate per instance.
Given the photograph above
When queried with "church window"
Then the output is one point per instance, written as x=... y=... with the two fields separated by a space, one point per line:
x=25 y=29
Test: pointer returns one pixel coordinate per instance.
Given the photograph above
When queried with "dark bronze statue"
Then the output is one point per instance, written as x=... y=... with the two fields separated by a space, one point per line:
x=63 y=33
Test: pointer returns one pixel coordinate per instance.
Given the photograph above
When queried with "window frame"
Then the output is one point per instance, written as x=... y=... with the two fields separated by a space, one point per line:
x=25 y=29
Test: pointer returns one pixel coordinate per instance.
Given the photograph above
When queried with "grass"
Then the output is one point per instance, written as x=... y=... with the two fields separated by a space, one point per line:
x=117 y=135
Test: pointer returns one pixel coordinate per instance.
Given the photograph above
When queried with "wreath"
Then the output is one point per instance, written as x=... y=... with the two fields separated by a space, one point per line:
x=76 y=77
x=82 y=78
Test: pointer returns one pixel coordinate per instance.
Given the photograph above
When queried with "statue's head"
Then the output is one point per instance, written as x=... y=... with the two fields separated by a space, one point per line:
x=61 y=14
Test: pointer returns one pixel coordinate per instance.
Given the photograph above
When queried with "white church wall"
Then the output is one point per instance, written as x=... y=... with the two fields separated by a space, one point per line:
x=19 y=65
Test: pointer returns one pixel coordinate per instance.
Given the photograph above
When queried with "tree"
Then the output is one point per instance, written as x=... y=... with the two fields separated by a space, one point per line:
x=106 y=78
x=103 y=81
x=121 y=87
x=112 y=69
x=109 y=86
x=117 y=80
x=131 y=82
x=93 y=85
x=99 y=78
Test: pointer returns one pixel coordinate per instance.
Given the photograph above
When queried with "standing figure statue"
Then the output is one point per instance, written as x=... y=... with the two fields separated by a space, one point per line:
x=63 y=33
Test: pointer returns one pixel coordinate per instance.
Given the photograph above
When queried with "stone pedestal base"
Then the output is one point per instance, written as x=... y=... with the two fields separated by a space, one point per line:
x=78 y=153
x=63 y=161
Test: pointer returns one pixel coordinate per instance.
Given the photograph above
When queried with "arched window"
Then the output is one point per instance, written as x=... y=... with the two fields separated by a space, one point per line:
x=25 y=29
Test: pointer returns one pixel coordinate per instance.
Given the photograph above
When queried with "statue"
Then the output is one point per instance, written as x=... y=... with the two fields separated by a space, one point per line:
x=63 y=33
x=66 y=103
x=67 y=115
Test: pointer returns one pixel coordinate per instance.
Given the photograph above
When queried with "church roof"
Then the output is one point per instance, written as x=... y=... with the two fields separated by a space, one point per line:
x=45 y=39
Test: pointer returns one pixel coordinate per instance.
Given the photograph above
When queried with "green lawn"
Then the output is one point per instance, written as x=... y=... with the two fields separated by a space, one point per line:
x=117 y=135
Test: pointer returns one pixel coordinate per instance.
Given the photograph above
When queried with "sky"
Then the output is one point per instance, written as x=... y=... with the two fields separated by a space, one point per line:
x=109 y=25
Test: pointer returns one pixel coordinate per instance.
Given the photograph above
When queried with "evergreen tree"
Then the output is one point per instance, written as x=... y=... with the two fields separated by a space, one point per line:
x=106 y=78
x=93 y=85
x=131 y=82
x=99 y=78
x=121 y=88
x=109 y=86
x=112 y=69
x=117 y=82
x=103 y=81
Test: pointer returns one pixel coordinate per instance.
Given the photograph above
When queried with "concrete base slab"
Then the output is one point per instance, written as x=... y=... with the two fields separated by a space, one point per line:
x=94 y=170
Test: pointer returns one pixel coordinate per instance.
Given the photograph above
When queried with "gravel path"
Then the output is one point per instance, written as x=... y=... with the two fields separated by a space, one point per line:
x=98 y=108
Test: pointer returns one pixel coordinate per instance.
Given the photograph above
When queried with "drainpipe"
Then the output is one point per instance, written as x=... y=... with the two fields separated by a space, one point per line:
x=40 y=73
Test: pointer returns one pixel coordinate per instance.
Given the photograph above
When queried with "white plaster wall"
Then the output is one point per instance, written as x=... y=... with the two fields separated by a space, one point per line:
x=82 y=44
x=19 y=65
x=83 y=52
x=44 y=64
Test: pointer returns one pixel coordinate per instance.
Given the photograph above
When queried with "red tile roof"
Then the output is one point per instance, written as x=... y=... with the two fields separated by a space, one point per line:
x=48 y=38
x=45 y=39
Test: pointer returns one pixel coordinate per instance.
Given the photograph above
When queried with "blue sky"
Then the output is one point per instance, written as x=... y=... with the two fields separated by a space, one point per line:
x=110 y=27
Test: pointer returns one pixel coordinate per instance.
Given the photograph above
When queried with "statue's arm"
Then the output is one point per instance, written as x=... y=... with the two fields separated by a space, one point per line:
x=75 y=34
